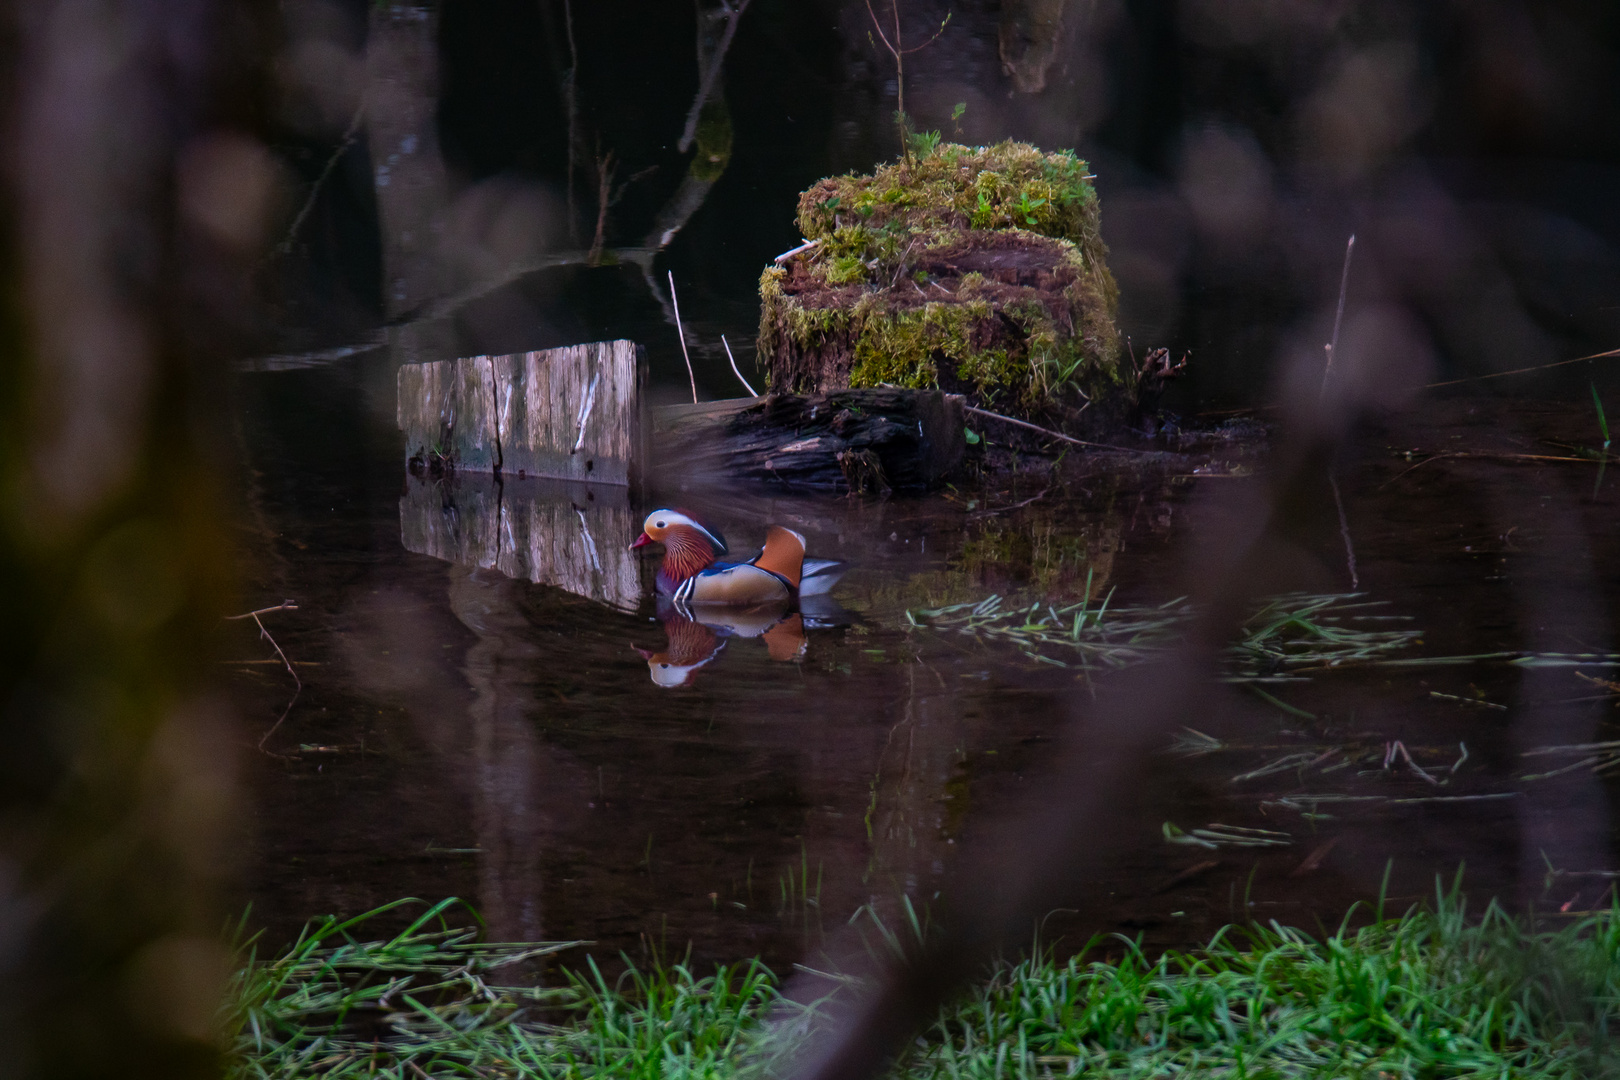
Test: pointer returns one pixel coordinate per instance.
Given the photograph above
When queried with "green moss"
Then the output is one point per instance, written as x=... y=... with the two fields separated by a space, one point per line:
x=894 y=292
x=900 y=347
x=959 y=187
x=845 y=270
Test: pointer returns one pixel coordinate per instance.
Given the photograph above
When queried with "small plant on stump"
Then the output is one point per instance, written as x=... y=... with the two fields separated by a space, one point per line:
x=897 y=50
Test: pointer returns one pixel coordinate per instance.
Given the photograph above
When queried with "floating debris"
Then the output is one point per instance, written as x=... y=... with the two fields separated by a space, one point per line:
x=1216 y=835
x=1598 y=757
x=1481 y=703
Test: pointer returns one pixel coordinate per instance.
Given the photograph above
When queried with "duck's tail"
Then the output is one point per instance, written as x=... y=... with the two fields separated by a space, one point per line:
x=820 y=575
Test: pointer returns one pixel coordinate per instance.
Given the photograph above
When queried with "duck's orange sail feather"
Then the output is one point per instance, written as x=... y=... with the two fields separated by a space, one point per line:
x=783 y=555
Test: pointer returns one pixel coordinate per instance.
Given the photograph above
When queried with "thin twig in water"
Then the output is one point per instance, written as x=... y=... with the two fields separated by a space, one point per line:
x=1052 y=434
x=734 y=370
x=276 y=726
x=1327 y=373
x=1398 y=748
x=1313 y=861
x=1523 y=370
x=676 y=304
x=1333 y=345
x=1482 y=456
x=1344 y=529
x=1470 y=701
x=285 y=605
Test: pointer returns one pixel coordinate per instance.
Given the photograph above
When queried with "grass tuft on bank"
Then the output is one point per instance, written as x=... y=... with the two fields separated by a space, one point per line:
x=1433 y=993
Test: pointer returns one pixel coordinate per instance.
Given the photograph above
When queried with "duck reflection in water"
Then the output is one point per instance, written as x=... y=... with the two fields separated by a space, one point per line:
x=698 y=635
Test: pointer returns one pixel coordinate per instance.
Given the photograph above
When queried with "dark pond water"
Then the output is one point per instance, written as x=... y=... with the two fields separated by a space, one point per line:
x=464 y=732
x=481 y=718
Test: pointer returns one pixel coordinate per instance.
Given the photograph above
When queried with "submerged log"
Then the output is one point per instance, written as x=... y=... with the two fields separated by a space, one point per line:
x=561 y=414
x=851 y=440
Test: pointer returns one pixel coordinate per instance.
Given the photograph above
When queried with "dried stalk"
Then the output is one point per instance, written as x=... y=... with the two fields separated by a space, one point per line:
x=681 y=333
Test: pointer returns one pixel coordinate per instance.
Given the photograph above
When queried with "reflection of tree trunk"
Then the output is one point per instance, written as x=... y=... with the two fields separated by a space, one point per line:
x=1564 y=827
x=909 y=815
x=402 y=74
x=506 y=756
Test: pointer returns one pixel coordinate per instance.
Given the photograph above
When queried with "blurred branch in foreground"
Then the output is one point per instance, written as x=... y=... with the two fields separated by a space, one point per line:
x=135 y=202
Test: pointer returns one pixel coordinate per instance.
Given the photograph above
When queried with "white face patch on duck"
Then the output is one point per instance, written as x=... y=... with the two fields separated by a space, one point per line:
x=660 y=521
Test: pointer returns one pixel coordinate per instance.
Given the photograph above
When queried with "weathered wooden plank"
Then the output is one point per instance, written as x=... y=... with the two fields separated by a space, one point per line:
x=861 y=440
x=564 y=414
x=568 y=536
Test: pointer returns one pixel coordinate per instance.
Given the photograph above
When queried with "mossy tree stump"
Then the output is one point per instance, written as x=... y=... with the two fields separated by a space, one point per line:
x=978 y=271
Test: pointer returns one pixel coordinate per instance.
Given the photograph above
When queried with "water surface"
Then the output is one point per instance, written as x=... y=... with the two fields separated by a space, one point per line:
x=465 y=732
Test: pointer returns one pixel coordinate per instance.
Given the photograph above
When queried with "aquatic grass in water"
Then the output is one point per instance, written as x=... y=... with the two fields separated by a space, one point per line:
x=1131 y=635
x=1288 y=633
x=1432 y=994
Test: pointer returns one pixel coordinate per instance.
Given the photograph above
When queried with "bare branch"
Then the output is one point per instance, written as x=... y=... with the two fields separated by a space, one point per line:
x=786 y=255
x=883 y=37
x=930 y=41
x=349 y=136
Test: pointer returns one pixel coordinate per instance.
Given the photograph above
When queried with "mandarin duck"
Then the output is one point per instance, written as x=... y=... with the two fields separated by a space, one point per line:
x=691 y=574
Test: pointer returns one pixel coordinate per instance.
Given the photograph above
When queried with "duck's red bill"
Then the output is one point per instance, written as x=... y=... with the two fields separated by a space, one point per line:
x=641 y=541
